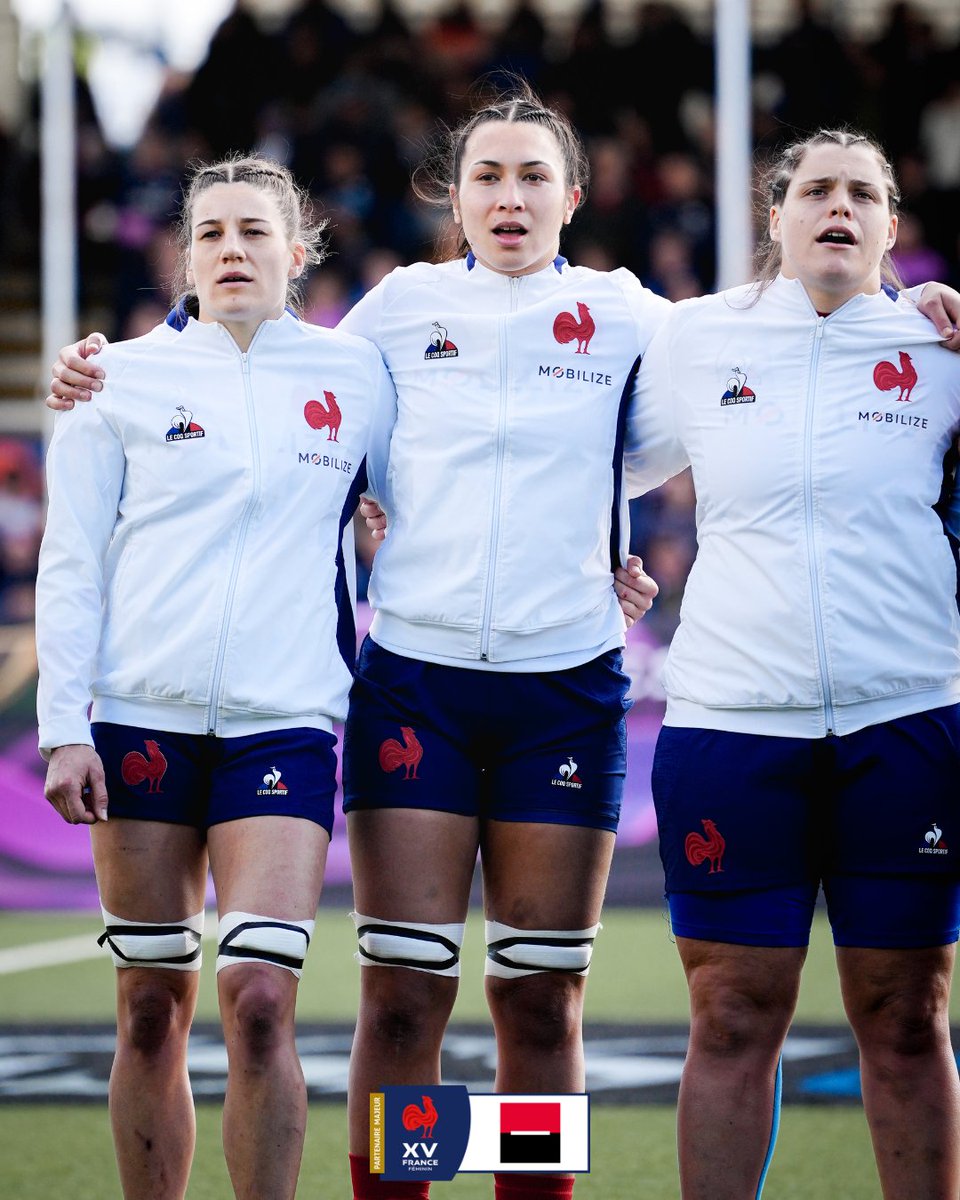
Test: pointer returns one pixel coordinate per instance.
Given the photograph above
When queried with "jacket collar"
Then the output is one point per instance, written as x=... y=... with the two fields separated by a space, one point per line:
x=210 y=333
x=557 y=265
x=792 y=291
x=178 y=316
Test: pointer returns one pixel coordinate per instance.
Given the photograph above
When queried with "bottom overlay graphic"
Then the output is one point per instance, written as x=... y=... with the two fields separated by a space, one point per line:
x=435 y=1131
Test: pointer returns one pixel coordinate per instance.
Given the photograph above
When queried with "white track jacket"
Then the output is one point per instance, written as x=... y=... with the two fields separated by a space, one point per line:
x=192 y=574
x=822 y=599
x=504 y=498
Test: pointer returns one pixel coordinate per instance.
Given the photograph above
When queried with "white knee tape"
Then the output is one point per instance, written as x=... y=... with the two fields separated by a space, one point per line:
x=515 y=952
x=432 y=948
x=174 y=947
x=248 y=937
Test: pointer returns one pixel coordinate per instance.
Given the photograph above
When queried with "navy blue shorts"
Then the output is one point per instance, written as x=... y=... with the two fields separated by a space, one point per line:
x=547 y=747
x=751 y=826
x=192 y=779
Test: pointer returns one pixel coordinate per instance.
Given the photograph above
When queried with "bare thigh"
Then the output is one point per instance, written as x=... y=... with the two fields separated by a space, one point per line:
x=539 y=876
x=272 y=866
x=412 y=864
x=738 y=991
x=149 y=870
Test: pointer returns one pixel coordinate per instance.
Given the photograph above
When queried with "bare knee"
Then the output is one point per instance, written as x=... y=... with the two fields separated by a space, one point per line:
x=905 y=1025
x=898 y=1001
x=258 y=1006
x=405 y=1010
x=542 y=1011
x=154 y=1011
x=734 y=1024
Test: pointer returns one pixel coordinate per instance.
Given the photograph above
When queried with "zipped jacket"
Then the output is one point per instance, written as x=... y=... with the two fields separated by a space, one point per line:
x=822 y=598
x=192 y=574
x=506 y=514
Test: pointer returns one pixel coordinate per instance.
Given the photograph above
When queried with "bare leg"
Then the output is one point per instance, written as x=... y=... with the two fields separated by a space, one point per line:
x=408 y=865
x=742 y=1000
x=152 y=871
x=272 y=866
x=542 y=877
x=897 y=1002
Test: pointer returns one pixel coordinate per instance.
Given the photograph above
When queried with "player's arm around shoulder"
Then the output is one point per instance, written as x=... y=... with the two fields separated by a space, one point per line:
x=85 y=473
x=940 y=304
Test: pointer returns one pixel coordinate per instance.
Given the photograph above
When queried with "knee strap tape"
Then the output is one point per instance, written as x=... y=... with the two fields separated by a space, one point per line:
x=249 y=937
x=174 y=947
x=515 y=952
x=432 y=948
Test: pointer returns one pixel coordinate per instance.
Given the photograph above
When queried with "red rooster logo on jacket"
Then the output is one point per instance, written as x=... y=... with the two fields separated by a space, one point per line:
x=328 y=418
x=887 y=377
x=700 y=849
x=135 y=768
x=424 y=1118
x=566 y=328
x=407 y=755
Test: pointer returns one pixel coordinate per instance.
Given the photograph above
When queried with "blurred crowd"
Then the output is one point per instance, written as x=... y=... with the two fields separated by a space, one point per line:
x=353 y=110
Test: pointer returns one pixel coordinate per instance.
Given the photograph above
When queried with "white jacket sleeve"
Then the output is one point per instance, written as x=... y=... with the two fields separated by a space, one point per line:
x=383 y=419
x=653 y=451
x=85 y=469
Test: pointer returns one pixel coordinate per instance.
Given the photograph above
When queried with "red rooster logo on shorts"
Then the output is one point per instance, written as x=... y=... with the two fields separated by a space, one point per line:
x=700 y=849
x=135 y=768
x=408 y=755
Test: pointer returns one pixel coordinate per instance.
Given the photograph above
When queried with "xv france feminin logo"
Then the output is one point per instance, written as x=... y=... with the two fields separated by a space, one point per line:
x=434 y=1131
x=419 y=1132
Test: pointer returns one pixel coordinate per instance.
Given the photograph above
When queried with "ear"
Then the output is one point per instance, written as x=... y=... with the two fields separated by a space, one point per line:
x=573 y=199
x=455 y=205
x=191 y=279
x=892 y=232
x=775 y=225
x=298 y=254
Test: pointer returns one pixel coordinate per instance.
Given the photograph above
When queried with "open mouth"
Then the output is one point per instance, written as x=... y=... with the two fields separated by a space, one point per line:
x=837 y=236
x=234 y=277
x=509 y=230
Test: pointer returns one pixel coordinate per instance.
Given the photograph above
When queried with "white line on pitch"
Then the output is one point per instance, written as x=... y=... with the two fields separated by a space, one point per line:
x=64 y=950
x=49 y=954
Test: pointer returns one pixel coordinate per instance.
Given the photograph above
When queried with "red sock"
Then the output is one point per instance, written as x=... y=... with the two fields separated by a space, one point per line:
x=373 y=1187
x=533 y=1187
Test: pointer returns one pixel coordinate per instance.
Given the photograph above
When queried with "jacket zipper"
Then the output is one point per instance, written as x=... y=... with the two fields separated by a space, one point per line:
x=485 y=619
x=813 y=561
x=216 y=681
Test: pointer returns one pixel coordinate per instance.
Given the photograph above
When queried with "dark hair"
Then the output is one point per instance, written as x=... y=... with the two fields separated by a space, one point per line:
x=516 y=103
x=296 y=211
x=776 y=179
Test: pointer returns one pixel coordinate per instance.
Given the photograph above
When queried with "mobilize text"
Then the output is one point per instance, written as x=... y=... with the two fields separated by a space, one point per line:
x=574 y=373
x=326 y=460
